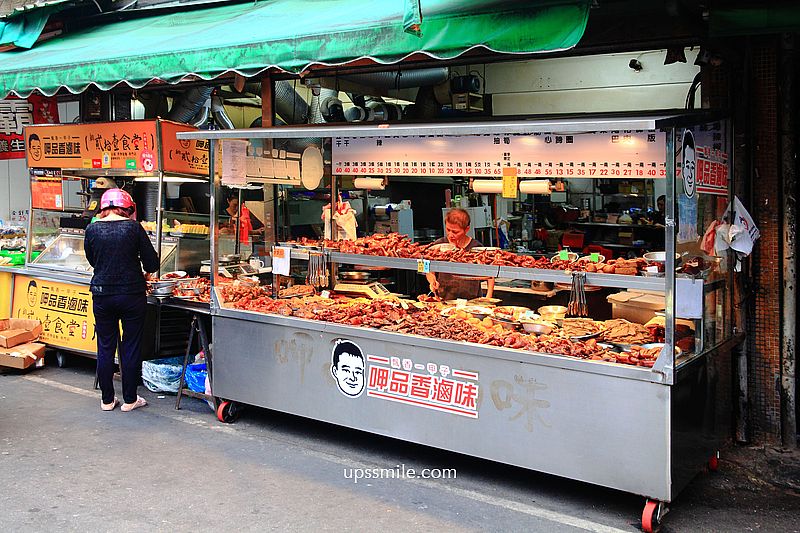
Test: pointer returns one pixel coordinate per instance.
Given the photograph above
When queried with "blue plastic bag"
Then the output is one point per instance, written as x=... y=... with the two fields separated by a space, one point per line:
x=196 y=377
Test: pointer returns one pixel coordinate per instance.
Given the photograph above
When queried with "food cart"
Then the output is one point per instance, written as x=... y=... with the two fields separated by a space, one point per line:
x=70 y=166
x=640 y=425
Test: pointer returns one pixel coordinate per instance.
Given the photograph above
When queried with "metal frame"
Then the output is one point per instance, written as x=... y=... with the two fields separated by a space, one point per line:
x=652 y=400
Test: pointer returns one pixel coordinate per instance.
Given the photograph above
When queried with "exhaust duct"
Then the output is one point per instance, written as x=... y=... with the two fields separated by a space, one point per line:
x=185 y=108
x=400 y=79
x=220 y=116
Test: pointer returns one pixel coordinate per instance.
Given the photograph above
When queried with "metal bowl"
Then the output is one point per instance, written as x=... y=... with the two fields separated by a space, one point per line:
x=163 y=284
x=552 y=310
x=162 y=291
x=537 y=328
x=507 y=324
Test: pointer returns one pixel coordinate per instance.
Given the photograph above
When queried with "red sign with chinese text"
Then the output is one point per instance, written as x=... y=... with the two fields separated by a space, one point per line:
x=432 y=386
x=15 y=114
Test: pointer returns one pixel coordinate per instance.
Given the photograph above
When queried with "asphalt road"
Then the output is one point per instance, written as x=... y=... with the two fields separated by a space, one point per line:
x=65 y=465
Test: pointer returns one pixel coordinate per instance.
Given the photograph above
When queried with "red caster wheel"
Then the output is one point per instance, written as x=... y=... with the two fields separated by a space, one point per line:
x=227 y=412
x=653 y=512
x=713 y=463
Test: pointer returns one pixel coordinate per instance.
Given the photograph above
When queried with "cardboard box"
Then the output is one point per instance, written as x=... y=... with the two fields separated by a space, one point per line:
x=15 y=331
x=635 y=306
x=22 y=356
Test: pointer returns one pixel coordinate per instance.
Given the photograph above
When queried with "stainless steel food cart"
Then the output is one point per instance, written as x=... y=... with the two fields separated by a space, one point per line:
x=646 y=431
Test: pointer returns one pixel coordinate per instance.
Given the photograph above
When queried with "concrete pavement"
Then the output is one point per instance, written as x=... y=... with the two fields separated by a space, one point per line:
x=65 y=465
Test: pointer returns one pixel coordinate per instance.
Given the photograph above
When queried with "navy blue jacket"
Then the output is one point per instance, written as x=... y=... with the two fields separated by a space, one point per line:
x=117 y=249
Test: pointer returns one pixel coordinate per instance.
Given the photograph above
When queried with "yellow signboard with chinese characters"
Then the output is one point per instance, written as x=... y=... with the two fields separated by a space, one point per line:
x=64 y=309
x=6 y=283
x=510 y=184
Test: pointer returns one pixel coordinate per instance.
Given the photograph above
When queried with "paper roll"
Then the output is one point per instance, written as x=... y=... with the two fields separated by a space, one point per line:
x=535 y=187
x=370 y=184
x=487 y=186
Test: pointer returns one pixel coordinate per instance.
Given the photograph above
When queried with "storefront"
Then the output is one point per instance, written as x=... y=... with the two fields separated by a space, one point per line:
x=562 y=402
x=143 y=157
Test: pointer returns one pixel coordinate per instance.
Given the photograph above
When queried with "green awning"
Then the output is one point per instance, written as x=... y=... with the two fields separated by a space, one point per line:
x=288 y=34
x=23 y=31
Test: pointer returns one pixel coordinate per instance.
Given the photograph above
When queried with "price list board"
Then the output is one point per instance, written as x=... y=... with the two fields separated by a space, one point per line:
x=612 y=154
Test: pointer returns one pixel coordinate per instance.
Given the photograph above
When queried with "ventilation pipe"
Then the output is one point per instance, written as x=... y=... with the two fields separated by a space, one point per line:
x=400 y=79
x=315 y=117
x=201 y=118
x=332 y=109
x=220 y=116
x=184 y=109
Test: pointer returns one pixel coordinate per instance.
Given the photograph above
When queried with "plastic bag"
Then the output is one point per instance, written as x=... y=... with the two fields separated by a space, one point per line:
x=162 y=375
x=196 y=377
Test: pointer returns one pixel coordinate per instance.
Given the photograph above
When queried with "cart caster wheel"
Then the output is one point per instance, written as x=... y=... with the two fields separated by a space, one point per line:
x=62 y=359
x=652 y=515
x=227 y=412
x=713 y=463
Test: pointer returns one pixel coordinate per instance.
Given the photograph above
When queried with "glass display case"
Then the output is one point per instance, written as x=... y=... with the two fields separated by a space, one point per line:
x=66 y=253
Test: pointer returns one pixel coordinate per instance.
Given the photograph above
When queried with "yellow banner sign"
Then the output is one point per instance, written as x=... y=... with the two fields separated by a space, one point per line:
x=64 y=309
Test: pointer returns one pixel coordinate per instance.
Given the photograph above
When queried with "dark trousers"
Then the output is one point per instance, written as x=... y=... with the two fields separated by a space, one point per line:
x=131 y=310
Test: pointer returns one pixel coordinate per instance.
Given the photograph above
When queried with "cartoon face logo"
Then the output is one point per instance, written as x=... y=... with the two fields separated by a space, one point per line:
x=148 y=161
x=32 y=292
x=35 y=147
x=347 y=368
x=689 y=163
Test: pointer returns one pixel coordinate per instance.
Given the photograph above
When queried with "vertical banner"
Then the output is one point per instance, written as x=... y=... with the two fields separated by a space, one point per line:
x=15 y=114
x=687 y=189
x=6 y=287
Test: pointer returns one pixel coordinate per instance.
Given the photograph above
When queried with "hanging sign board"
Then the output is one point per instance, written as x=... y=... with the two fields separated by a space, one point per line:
x=183 y=156
x=130 y=146
x=615 y=154
x=124 y=145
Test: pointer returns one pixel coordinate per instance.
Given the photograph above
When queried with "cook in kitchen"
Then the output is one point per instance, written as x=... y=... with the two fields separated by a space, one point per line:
x=451 y=286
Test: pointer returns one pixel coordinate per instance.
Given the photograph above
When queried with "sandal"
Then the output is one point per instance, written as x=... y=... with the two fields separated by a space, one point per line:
x=140 y=402
x=109 y=406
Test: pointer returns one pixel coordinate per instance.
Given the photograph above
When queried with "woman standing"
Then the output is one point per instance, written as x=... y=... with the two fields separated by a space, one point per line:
x=117 y=247
x=451 y=286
